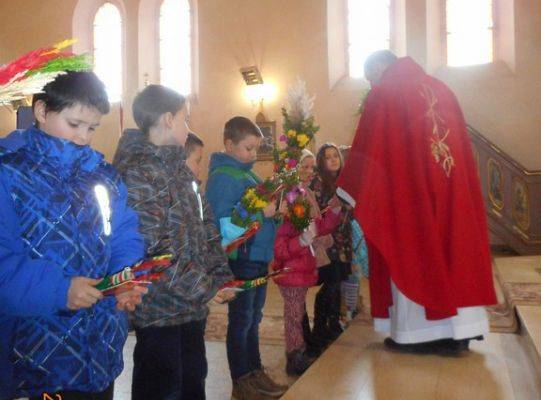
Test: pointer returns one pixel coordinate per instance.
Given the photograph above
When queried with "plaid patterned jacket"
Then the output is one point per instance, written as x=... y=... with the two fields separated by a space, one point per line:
x=54 y=226
x=174 y=218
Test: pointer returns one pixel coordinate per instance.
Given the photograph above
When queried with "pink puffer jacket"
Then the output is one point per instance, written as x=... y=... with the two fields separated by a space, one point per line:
x=288 y=252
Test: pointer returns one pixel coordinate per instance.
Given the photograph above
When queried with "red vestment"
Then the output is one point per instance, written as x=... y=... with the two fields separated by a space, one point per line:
x=418 y=199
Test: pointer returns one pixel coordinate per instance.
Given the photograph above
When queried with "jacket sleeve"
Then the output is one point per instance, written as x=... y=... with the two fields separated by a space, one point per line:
x=287 y=243
x=327 y=223
x=127 y=245
x=218 y=260
x=189 y=279
x=28 y=287
x=223 y=192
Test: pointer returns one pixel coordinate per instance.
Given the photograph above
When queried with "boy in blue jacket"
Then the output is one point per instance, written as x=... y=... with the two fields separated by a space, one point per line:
x=64 y=224
x=230 y=174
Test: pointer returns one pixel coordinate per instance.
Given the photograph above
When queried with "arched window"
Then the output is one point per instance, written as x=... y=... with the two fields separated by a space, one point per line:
x=469 y=32
x=369 y=30
x=175 y=27
x=107 y=49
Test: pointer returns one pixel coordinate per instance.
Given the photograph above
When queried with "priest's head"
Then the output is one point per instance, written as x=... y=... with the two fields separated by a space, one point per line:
x=376 y=64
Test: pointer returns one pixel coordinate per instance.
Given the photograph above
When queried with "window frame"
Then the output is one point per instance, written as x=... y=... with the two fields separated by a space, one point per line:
x=83 y=29
x=158 y=66
x=123 y=71
x=445 y=33
x=392 y=33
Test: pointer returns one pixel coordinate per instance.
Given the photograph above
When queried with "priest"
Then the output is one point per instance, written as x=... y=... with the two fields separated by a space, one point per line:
x=413 y=182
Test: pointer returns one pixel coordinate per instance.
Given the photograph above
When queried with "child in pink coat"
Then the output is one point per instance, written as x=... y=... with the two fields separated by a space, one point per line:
x=293 y=250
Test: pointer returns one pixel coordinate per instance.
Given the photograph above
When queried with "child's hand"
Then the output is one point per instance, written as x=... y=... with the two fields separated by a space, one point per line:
x=82 y=293
x=224 y=296
x=270 y=210
x=309 y=235
x=126 y=301
x=335 y=204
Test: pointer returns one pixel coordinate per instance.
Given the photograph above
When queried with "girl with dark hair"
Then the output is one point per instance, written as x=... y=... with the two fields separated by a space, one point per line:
x=327 y=307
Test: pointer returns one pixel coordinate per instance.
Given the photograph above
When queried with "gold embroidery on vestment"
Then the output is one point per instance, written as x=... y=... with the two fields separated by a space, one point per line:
x=440 y=150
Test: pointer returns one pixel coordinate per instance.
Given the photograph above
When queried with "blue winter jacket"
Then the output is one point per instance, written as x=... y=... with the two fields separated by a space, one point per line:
x=224 y=191
x=54 y=227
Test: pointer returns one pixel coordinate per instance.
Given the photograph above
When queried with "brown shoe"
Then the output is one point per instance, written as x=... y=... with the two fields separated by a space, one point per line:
x=244 y=389
x=266 y=385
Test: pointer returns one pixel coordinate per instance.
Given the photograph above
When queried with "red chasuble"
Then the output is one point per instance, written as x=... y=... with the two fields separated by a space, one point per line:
x=412 y=174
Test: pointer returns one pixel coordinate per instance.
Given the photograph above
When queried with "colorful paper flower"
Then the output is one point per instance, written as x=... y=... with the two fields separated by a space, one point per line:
x=303 y=140
x=291 y=196
x=299 y=211
x=292 y=163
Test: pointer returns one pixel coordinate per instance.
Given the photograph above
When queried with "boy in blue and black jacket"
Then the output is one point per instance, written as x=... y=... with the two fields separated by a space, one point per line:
x=230 y=174
x=64 y=225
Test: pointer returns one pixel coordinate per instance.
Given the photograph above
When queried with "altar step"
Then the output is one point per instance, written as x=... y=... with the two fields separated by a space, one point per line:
x=520 y=279
x=530 y=330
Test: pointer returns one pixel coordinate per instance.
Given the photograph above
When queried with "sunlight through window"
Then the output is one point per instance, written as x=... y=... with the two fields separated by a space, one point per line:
x=369 y=30
x=108 y=49
x=469 y=32
x=175 y=46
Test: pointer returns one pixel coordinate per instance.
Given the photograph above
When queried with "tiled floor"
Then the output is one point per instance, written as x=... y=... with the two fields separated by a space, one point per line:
x=218 y=384
x=357 y=367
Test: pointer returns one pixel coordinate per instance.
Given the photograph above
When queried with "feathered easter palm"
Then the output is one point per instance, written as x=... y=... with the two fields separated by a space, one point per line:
x=31 y=72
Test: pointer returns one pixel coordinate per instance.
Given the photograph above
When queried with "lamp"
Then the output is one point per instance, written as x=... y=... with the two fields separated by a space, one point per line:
x=251 y=75
x=256 y=90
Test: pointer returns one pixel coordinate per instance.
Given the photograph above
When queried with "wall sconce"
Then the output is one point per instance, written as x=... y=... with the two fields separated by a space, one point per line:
x=251 y=75
x=256 y=91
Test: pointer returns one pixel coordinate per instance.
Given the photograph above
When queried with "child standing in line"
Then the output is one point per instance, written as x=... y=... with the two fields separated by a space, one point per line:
x=169 y=356
x=359 y=267
x=194 y=153
x=230 y=174
x=293 y=250
x=64 y=225
x=327 y=306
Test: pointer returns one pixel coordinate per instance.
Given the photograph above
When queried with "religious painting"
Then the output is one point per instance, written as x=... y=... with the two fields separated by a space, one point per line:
x=495 y=184
x=266 y=149
x=521 y=204
x=476 y=158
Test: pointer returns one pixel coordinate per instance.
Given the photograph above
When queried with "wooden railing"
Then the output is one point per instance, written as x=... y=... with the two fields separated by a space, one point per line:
x=512 y=196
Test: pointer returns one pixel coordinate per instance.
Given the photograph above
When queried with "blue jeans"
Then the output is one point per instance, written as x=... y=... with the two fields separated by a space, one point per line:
x=245 y=314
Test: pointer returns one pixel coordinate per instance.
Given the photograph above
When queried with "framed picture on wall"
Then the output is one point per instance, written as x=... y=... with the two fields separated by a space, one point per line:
x=265 y=152
x=495 y=184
